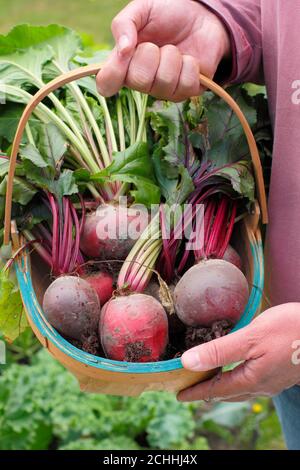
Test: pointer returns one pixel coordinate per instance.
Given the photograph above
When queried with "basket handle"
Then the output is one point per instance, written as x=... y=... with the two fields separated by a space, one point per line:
x=93 y=70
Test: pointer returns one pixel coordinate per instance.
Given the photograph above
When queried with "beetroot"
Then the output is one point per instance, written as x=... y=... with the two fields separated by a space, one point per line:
x=103 y=284
x=210 y=291
x=134 y=328
x=72 y=306
x=232 y=256
x=112 y=230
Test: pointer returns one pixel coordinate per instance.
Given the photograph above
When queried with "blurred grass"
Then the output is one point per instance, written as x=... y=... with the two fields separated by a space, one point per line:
x=86 y=16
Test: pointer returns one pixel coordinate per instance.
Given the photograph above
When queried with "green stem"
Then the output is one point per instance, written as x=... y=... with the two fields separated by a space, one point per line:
x=29 y=134
x=43 y=111
x=96 y=195
x=149 y=238
x=141 y=137
x=76 y=90
x=121 y=125
x=132 y=117
x=109 y=123
x=145 y=275
x=38 y=82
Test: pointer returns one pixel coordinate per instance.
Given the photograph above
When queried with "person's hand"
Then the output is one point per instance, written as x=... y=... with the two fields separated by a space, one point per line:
x=270 y=349
x=161 y=46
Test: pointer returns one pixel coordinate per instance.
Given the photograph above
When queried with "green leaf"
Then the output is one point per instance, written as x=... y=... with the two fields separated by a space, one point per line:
x=23 y=68
x=133 y=166
x=42 y=164
x=23 y=191
x=99 y=57
x=31 y=153
x=167 y=122
x=175 y=190
x=254 y=90
x=49 y=150
x=4 y=167
x=65 y=185
x=52 y=144
x=146 y=192
x=26 y=49
x=82 y=175
x=226 y=136
x=241 y=178
x=65 y=43
x=24 y=36
x=12 y=317
x=10 y=115
x=135 y=160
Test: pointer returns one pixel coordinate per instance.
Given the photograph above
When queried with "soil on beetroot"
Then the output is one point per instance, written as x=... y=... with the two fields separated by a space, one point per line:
x=89 y=344
x=135 y=351
x=183 y=339
x=187 y=338
x=197 y=336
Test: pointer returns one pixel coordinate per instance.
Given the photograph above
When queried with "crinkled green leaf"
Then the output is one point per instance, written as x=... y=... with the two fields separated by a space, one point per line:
x=65 y=185
x=49 y=150
x=23 y=68
x=134 y=166
x=64 y=44
x=174 y=190
x=167 y=122
x=241 y=178
x=226 y=136
x=172 y=154
x=12 y=317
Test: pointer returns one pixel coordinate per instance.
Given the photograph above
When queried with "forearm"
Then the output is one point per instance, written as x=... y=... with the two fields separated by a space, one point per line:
x=242 y=19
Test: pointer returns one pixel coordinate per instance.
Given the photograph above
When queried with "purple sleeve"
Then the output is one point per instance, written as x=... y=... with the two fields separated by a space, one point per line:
x=243 y=21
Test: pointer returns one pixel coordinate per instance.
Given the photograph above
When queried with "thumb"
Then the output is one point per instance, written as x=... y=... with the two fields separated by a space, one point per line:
x=125 y=28
x=219 y=352
x=127 y=24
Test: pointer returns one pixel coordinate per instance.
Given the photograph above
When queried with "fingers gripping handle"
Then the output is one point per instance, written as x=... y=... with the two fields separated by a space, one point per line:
x=93 y=70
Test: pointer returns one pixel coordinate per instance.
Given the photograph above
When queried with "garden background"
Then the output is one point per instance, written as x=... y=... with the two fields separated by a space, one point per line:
x=41 y=406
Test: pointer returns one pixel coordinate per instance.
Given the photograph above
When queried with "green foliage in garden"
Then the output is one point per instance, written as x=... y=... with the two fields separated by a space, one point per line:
x=42 y=407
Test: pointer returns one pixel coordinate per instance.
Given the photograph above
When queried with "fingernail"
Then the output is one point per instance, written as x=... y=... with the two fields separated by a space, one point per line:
x=190 y=360
x=123 y=44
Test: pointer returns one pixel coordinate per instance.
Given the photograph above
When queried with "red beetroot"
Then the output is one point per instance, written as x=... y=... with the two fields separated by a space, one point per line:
x=232 y=256
x=112 y=230
x=134 y=328
x=210 y=291
x=103 y=284
x=72 y=306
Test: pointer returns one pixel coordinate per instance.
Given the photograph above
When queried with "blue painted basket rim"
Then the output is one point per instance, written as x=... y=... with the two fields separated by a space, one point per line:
x=33 y=307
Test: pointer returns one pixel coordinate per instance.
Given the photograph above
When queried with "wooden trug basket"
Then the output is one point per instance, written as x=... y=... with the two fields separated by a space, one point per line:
x=100 y=375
